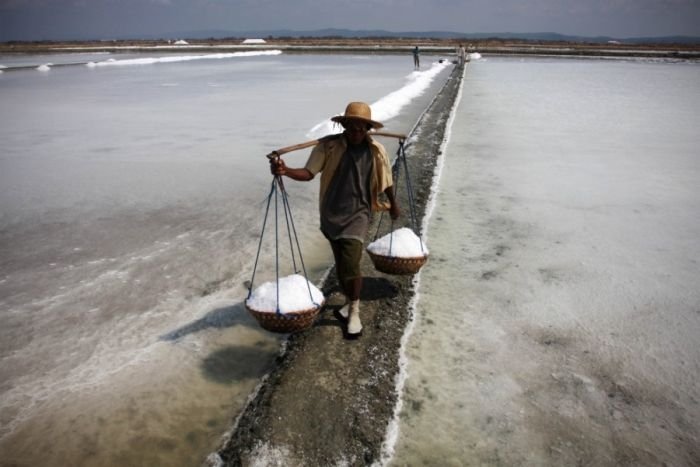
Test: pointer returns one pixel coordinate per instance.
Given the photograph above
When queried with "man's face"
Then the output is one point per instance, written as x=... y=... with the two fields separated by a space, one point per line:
x=356 y=131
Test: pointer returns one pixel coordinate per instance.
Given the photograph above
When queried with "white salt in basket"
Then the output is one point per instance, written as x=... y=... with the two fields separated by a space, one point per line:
x=400 y=252
x=297 y=310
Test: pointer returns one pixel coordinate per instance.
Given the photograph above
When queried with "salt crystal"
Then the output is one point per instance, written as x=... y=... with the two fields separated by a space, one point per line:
x=401 y=243
x=293 y=296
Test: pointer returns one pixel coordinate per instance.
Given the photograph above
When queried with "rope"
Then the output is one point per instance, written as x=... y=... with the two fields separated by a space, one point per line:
x=411 y=199
x=397 y=177
x=277 y=187
x=396 y=172
x=288 y=216
x=285 y=200
x=277 y=254
x=262 y=233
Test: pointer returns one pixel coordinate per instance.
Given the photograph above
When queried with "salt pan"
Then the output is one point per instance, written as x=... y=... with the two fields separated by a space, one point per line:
x=401 y=243
x=293 y=296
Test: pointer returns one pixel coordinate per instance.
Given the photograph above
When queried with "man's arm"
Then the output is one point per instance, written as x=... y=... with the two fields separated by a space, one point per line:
x=278 y=167
x=394 y=210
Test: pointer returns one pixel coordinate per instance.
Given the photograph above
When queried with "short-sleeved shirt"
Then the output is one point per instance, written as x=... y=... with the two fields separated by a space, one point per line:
x=345 y=209
x=326 y=156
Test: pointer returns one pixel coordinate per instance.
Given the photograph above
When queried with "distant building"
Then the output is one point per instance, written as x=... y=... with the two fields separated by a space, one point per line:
x=254 y=41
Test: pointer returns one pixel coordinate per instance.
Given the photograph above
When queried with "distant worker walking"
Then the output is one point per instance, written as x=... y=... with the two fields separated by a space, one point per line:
x=416 y=58
x=461 y=54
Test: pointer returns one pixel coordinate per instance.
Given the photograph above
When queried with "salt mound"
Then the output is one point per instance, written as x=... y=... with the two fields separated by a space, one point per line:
x=475 y=56
x=294 y=295
x=403 y=243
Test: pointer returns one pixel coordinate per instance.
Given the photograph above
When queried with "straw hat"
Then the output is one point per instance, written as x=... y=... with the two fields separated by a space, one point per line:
x=357 y=111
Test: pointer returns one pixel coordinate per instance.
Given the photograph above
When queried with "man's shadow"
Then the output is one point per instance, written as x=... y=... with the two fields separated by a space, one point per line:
x=235 y=363
x=219 y=318
x=373 y=288
x=378 y=288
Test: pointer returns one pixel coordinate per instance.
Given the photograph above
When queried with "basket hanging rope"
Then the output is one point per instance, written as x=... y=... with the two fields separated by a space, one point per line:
x=281 y=320
x=399 y=259
x=296 y=320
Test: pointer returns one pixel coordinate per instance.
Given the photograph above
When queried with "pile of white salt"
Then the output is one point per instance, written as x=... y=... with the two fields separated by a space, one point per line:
x=401 y=243
x=293 y=295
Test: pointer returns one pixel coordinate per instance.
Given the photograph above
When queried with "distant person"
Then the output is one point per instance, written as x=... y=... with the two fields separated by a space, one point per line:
x=416 y=58
x=355 y=169
x=462 y=53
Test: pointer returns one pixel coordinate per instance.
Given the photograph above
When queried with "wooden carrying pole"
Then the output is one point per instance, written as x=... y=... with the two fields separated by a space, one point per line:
x=314 y=142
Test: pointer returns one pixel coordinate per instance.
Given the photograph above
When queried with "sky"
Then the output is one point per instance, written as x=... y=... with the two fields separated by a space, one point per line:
x=116 y=19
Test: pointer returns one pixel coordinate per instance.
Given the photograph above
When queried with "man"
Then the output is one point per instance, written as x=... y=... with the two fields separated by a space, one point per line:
x=354 y=169
x=416 y=58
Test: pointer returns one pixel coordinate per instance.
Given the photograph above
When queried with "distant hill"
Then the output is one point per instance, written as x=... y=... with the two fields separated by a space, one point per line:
x=347 y=33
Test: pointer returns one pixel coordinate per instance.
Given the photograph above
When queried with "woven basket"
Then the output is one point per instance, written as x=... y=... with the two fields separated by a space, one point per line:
x=397 y=266
x=285 y=322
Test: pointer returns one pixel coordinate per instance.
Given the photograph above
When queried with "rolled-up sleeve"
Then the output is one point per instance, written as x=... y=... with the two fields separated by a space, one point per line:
x=317 y=159
x=384 y=172
x=382 y=177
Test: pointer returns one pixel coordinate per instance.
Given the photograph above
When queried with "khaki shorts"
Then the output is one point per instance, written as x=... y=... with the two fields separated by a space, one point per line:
x=347 y=253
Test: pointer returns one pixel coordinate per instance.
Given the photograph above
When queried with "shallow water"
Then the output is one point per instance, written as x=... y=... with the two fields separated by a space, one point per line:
x=557 y=317
x=131 y=203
